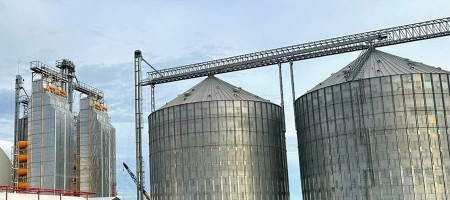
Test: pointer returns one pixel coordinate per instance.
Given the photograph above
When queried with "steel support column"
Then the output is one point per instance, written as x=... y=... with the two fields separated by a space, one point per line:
x=138 y=119
x=282 y=96
x=152 y=99
x=292 y=82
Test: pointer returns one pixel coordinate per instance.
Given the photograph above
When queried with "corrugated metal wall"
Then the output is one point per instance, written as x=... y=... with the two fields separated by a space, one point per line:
x=96 y=150
x=52 y=140
x=377 y=138
x=218 y=150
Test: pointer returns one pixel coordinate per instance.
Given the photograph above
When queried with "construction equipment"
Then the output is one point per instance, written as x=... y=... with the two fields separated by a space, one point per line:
x=147 y=196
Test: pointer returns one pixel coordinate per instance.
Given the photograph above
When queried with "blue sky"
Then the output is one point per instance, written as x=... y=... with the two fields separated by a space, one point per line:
x=101 y=36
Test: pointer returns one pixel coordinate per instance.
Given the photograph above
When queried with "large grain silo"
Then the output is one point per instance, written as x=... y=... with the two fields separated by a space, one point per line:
x=51 y=137
x=217 y=141
x=377 y=129
x=96 y=162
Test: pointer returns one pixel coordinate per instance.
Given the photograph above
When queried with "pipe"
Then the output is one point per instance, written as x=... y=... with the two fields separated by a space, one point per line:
x=138 y=120
x=19 y=83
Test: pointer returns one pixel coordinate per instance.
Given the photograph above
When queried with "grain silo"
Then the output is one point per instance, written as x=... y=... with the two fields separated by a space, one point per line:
x=217 y=141
x=5 y=169
x=377 y=129
x=96 y=149
x=51 y=137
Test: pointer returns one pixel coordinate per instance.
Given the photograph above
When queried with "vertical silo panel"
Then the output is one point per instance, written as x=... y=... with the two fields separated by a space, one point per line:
x=356 y=108
x=183 y=118
x=113 y=162
x=348 y=116
x=265 y=126
x=418 y=83
x=170 y=119
x=400 y=119
x=337 y=94
x=310 y=122
x=427 y=83
x=314 y=104
x=238 y=127
x=375 y=87
x=308 y=133
x=397 y=88
x=440 y=116
x=388 y=105
x=229 y=129
x=444 y=83
x=439 y=104
x=309 y=106
x=407 y=84
x=258 y=120
x=221 y=112
x=305 y=112
x=298 y=112
x=386 y=85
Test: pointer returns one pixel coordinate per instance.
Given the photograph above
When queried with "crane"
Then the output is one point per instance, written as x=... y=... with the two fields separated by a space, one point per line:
x=147 y=196
x=355 y=42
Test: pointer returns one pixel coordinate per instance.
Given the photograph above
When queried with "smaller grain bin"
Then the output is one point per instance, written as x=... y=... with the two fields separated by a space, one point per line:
x=217 y=141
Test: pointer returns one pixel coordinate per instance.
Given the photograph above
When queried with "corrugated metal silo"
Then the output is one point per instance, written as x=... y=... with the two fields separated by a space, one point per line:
x=377 y=129
x=217 y=141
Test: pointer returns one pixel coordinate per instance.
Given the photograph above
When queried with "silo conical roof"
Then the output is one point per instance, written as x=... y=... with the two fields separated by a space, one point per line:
x=213 y=89
x=378 y=64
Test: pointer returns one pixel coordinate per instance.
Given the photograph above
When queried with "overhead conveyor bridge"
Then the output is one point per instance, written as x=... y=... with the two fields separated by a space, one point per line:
x=47 y=71
x=355 y=42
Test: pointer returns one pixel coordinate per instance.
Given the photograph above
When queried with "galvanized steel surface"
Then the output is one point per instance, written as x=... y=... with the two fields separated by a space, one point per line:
x=52 y=140
x=380 y=64
x=213 y=89
x=96 y=151
x=221 y=149
x=376 y=138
